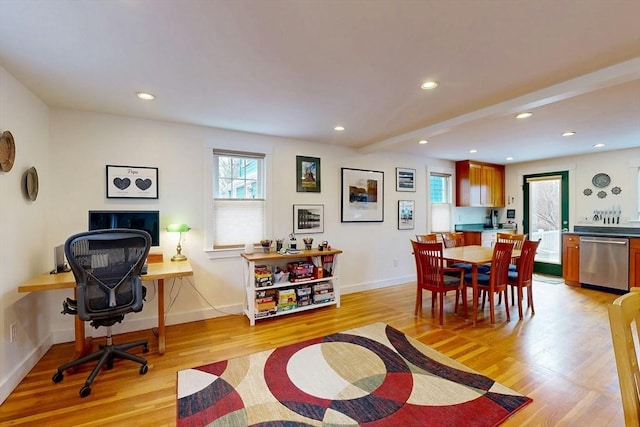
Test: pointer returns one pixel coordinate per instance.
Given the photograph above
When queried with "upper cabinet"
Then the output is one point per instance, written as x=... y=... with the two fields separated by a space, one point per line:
x=479 y=184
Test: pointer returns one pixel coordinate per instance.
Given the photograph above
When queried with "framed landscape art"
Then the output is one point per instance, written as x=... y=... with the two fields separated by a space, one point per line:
x=406 y=214
x=405 y=179
x=308 y=219
x=307 y=174
x=362 y=195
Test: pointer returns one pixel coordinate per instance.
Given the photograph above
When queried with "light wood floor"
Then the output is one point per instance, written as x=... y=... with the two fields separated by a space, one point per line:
x=562 y=358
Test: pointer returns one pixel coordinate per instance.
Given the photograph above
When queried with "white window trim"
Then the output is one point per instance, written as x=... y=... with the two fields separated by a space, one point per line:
x=207 y=196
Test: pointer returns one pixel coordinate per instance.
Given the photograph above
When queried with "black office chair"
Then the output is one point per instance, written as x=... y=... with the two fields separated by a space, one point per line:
x=107 y=266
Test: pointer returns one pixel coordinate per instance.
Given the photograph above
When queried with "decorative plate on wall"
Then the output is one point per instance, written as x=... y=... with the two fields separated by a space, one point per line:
x=601 y=180
x=31 y=183
x=616 y=190
x=7 y=151
x=587 y=192
x=602 y=194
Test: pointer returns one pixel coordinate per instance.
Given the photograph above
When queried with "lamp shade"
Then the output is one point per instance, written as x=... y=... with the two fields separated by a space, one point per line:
x=178 y=228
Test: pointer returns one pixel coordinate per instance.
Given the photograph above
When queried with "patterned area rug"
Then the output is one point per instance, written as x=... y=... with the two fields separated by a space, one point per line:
x=371 y=376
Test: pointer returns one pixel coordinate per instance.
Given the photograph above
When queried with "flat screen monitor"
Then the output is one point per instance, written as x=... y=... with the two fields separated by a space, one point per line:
x=148 y=221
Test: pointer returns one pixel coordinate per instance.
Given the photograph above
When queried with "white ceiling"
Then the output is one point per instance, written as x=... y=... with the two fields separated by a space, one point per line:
x=297 y=68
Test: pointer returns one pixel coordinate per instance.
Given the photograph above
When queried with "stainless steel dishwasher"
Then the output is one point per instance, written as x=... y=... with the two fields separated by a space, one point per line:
x=604 y=261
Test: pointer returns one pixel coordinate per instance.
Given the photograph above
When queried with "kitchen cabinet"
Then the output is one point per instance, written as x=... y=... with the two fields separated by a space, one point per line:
x=472 y=237
x=479 y=184
x=278 y=284
x=571 y=259
x=634 y=262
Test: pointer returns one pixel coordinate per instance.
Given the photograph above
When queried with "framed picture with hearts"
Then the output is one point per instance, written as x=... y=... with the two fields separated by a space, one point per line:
x=132 y=182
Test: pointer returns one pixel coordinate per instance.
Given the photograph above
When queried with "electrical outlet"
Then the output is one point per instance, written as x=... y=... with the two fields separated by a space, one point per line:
x=13 y=332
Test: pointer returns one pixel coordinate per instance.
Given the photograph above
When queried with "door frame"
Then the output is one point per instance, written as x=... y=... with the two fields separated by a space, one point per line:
x=544 y=267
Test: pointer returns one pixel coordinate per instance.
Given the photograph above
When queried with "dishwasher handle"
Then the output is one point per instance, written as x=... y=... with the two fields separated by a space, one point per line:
x=610 y=242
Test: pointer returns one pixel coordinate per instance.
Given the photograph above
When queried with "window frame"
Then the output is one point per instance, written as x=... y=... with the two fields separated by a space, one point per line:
x=233 y=144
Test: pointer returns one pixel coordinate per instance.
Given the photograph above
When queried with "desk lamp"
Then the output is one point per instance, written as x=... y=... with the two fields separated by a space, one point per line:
x=178 y=228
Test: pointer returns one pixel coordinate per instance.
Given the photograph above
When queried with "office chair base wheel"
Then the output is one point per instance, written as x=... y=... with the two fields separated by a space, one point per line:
x=85 y=391
x=143 y=369
x=57 y=377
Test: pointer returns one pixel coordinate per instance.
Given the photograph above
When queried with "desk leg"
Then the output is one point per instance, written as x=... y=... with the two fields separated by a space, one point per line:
x=161 y=339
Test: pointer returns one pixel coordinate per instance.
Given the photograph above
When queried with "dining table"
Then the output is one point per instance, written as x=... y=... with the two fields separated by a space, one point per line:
x=475 y=255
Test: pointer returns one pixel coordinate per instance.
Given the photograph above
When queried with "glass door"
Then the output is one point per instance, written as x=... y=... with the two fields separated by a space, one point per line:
x=546 y=216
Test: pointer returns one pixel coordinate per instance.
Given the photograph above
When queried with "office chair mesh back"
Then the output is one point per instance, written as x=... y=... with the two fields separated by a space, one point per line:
x=107 y=265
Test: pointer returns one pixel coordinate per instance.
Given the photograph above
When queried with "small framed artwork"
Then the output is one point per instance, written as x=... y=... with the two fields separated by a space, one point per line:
x=406 y=214
x=132 y=182
x=307 y=174
x=405 y=179
x=362 y=195
x=308 y=219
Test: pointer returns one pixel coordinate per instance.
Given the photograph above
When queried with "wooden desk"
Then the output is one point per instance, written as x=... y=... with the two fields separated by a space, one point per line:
x=475 y=255
x=156 y=271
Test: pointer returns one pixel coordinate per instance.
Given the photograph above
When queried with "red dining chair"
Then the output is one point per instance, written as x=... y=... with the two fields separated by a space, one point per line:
x=495 y=281
x=430 y=238
x=523 y=276
x=433 y=275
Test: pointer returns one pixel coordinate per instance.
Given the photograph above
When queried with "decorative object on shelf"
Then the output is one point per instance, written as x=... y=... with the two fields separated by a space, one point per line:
x=266 y=245
x=307 y=174
x=178 y=228
x=132 y=182
x=616 y=190
x=362 y=195
x=31 y=183
x=406 y=214
x=293 y=244
x=587 y=192
x=405 y=179
x=308 y=242
x=601 y=180
x=602 y=194
x=308 y=219
x=7 y=151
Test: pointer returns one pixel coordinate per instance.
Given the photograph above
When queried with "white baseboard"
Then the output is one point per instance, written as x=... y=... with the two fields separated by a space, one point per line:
x=13 y=378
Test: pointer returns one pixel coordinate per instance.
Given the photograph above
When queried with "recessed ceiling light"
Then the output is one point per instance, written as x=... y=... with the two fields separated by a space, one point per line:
x=599 y=145
x=568 y=133
x=339 y=128
x=429 y=85
x=509 y=158
x=423 y=141
x=524 y=115
x=473 y=151
x=146 y=96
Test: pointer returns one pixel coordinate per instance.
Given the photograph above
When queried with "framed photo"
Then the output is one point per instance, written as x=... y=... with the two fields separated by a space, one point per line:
x=307 y=174
x=405 y=179
x=362 y=195
x=406 y=214
x=308 y=219
x=132 y=182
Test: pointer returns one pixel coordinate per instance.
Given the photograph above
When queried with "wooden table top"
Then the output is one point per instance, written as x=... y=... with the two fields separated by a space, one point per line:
x=473 y=254
x=157 y=270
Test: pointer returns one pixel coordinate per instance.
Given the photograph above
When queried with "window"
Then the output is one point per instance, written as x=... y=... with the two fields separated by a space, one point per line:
x=440 y=198
x=238 y=198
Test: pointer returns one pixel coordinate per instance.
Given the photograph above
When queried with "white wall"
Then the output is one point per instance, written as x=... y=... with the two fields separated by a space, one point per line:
x=23 y=230
x=83 y=143
x=621 y=165
x=70 y=150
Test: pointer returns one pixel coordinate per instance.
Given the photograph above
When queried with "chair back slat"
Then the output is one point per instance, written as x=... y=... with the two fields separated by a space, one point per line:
x=517 y=239
x=526 y=262
x=427 y=238
x=499 y=276
x=453 y=240
x=624 y=317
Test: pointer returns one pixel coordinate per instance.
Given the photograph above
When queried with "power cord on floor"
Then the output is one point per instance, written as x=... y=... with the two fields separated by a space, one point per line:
x=172 y=298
